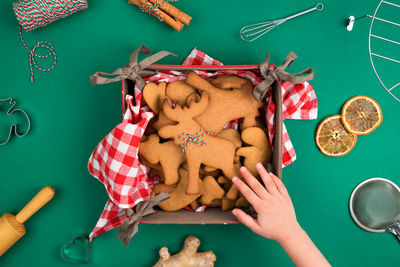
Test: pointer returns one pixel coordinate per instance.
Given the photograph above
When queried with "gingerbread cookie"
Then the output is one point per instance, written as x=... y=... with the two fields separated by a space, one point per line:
x=168 y=154
x=192 y=97
x=162 y=121
x=178 y=197
x=215 y=202
x=231 y=134
x=157 y=167
x=204 y=170
x=208 y=169
x=259 y=151
x=214 y=190
x=159 y=188
x=194 y=205
x=223 y=180
x=178 y=91
x=242 y=202
x=226 y=105
x=210 y=190
x=234 y=136
x=153 y=94
x=227 y=81
x=150 y=129
x=227 y=204
x=199 y=146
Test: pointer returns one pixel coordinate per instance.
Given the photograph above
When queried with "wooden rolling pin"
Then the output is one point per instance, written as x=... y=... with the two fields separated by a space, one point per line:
x=12 y=227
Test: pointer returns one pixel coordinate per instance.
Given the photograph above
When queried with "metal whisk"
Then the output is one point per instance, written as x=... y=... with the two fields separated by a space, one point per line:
x=252 y=32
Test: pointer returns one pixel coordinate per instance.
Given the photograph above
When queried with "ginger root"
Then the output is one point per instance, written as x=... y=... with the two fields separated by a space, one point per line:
x=187 y=257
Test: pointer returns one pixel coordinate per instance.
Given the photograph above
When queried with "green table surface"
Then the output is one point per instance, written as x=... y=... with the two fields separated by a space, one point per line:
x=70 y=116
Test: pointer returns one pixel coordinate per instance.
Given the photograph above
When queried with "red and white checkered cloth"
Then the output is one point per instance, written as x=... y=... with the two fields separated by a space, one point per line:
x=116 y=164
x=300 y=103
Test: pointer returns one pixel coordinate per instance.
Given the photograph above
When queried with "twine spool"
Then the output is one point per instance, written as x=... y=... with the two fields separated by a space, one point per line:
x=33 y=14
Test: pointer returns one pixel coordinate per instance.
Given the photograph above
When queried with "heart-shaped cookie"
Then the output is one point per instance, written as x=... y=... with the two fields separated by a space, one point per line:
x=77 y=251
x=153 y=94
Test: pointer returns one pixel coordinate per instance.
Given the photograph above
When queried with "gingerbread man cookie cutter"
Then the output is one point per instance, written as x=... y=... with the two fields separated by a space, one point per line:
x=14 y=127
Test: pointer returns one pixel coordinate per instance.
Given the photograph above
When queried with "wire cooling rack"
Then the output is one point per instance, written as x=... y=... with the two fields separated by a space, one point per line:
x=384 y=44
x=383 y=29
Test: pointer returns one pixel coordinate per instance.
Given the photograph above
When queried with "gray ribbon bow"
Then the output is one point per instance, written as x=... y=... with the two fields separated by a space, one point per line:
x=134 y=71
x=272 y=74
x=130 y=227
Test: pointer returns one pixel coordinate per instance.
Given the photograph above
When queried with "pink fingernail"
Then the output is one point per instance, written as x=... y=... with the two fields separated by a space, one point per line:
x=234 y=179
x=259 y=165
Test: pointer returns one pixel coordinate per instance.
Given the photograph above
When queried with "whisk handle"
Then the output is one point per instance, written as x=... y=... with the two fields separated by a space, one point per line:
x=318 y=7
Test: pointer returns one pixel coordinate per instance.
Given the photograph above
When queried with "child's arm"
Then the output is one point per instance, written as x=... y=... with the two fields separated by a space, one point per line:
x=276 y=218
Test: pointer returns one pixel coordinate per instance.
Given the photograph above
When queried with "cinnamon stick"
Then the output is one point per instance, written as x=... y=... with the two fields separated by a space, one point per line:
x=177 y=25
x=173 y=11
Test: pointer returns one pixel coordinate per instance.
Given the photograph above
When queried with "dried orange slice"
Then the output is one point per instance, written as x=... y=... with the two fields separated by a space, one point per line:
x=333 y=139
x=361 y=115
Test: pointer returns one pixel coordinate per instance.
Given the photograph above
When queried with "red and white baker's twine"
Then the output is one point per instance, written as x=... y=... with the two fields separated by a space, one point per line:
x=154 y=9
x=33 y=14
x=193 y=138
x=32 y=54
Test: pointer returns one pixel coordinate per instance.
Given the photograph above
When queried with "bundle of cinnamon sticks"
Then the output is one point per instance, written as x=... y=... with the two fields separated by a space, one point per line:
x=164 y=11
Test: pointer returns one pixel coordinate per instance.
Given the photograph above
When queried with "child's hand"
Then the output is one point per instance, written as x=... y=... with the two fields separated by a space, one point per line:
x=276 y=216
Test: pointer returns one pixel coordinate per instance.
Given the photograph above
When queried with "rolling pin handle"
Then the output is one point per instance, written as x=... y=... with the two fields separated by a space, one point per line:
x=35 y=204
